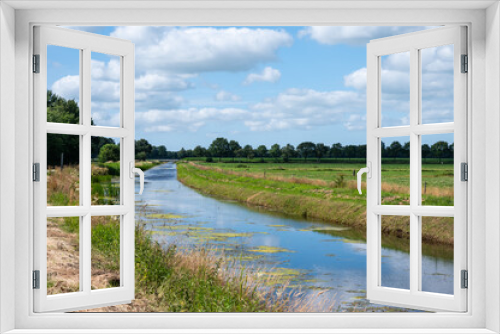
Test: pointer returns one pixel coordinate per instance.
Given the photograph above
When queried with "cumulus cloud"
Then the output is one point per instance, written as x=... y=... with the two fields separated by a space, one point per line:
x=154 y=120
x=353 y=35
x=269 y=74
x=437 y=86
x=303 y=109
x=196 y=50
x=226 y=96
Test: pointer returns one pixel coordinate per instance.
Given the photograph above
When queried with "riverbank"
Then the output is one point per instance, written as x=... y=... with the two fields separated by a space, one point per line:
x=335 y=202
x=167 y=279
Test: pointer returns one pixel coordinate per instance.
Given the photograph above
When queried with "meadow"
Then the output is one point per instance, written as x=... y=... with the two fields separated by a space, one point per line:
x=325 y=191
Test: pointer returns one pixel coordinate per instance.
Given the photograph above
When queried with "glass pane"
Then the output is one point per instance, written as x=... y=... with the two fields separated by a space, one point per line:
x=105 y=90
x=395 y=261
x=395 y=171
x=437 y=84
x=437 y=254
x=105 y=252
x=395 y=82
x=63 y=260
x=63 y=170
x=105 y=171
x=437 y=169
x=63 y=85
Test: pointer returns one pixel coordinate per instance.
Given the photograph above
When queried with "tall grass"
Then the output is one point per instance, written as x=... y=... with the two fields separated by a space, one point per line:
x=170 y=280
x=331 y=201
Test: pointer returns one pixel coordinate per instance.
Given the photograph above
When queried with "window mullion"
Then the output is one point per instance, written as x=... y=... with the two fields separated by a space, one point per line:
x=414 y=171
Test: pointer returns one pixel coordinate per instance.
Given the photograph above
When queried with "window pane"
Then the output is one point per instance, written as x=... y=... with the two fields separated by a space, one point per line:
x=63 y=85
x=105 y=252
x=395 y=86
x=437 y=254
x=437 y=169
x=395 y=261
x=105 y=90
x=105 y=171
x=63 y=249
x=63 y=170
x=437 y=84
x=395 y=171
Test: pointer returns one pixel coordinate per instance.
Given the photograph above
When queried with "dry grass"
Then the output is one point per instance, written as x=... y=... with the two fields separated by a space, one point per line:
x=63 y=186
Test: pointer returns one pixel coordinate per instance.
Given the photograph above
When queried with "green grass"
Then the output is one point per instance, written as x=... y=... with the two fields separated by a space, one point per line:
x=167 y=285
x=166 y=280
x=321 y=191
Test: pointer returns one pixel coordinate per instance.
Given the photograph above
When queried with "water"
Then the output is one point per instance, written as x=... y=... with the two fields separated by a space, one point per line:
x=315 y=255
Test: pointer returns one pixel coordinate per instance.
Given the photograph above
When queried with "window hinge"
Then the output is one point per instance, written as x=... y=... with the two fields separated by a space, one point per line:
x=36 y=172
x=465 y=64
x=36 y=279
x=36 y=63
x=464 y=167
x=465 y=279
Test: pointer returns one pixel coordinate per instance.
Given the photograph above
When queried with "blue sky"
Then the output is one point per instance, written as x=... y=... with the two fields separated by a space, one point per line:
x=257 y=85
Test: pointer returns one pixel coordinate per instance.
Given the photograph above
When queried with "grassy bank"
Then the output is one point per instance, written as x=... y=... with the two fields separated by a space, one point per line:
x=167 y=279
x=334 y=200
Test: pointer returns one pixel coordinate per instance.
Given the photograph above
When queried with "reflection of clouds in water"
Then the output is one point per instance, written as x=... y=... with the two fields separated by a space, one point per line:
x=346 y=271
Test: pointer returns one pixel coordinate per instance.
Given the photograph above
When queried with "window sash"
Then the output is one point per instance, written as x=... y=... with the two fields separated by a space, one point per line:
x=414 y=298
x=86 y=298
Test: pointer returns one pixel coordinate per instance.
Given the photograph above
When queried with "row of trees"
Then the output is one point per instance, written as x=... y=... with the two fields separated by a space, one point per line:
x=223 y=148
x=60 y=110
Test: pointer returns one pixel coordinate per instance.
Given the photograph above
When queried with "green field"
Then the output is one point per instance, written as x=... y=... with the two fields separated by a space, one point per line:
x=324 y=191
x=437 y=179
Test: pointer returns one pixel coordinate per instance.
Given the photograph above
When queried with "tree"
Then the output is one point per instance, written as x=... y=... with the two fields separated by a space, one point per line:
x=109 y=152
x=405 y=150
x=199 y=151
x=262 y=151
x=233 y=147
x=394 y=149
x=426 y=151
x=162 y=152
x=336 y=151
x=142 y=146
x=287 y=152
x=219 y=147
x=439 y=149
x=350 y=151
x=320 y=151
x=141 y=156
x=275 y=152
x=249 y=152
x=306 y=149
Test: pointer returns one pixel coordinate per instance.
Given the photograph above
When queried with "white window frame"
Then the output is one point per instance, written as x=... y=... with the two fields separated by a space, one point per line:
x=85 y=43
x=483 y=100
x=413 y=44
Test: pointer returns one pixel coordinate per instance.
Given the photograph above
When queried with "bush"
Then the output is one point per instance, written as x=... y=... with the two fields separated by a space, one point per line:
x=209 y=159
x=109 y=152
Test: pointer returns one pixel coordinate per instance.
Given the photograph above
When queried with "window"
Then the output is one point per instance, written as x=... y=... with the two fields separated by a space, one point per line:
x=74 y=135
x=413 y=51
x=476 y=316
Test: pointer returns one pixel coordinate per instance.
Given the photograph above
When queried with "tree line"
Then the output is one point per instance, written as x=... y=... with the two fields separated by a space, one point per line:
x=103 y=149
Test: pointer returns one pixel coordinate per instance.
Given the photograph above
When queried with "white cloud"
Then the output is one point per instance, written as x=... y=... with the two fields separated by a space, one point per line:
x=195 y=50
x=355 y=122
x=226 y=96
x=353 y=35
x=154 y=120
x=67 y=87
x=437 y=86
x=356 y=79
x=269 y=74
x=303 y=109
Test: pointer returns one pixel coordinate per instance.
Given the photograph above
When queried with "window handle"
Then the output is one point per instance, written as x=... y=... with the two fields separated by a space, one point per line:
x=133 y=171
x=368 y=171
